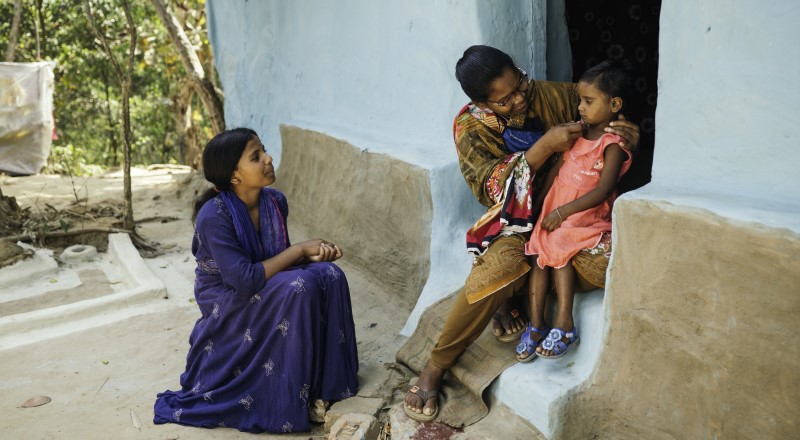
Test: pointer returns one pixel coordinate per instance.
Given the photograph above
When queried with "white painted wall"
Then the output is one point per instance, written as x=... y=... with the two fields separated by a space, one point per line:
x=380 y=75
x=377 y=74
x=728 y=86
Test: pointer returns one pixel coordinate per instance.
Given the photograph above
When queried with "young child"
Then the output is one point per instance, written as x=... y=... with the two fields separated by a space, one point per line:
x=576 y=211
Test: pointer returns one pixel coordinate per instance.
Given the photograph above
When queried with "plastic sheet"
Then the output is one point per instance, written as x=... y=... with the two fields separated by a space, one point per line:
x=26 y=116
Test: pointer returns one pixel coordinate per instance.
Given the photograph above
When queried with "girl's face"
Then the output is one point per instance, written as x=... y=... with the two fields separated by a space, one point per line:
x=596 y=108
x=254 y=169
x=507 y=93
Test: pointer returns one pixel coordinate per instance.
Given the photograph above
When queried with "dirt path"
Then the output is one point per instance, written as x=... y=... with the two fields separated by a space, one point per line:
x=102 y=380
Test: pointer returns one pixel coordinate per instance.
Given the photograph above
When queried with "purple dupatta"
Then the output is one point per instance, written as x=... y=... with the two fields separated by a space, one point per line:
x=273 y=239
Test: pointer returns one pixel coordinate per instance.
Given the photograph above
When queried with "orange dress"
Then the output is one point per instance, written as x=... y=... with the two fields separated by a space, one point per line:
x=579 y=174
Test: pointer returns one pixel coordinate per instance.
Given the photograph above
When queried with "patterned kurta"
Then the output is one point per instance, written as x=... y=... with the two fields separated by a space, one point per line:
x=262 y=350
x=482 y=153
x=501 y=179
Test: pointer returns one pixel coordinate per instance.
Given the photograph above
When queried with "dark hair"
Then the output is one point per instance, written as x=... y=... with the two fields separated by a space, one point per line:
x=612 y=78
x=220 y=157
x=478 y=67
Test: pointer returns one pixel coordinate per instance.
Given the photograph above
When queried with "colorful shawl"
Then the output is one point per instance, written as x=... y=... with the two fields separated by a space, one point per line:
x=490 y=153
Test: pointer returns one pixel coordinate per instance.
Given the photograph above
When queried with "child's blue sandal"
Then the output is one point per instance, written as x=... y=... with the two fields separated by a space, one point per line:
x=528 y=345
x=553 y=342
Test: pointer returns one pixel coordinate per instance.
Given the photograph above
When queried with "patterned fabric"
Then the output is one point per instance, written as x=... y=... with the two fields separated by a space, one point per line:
x=262 y=349
x=592 y=263
x=579 y=175
x=507 y=185
x=482 y=152
x=500 y=266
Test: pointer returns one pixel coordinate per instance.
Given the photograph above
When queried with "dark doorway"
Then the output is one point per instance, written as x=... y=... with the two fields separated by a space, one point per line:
x=622 y=30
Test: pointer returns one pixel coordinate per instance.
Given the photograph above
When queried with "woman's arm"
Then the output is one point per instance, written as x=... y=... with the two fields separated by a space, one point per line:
x=558 y=139
x=305 y=252
x=614 y=156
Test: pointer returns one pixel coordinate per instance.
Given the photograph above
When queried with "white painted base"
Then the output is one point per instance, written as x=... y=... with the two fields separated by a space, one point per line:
x=531 y=389
x=137 y=287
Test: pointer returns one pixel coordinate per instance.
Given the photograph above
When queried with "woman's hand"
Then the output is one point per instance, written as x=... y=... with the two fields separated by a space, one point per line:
x=561 y=137
x=628 y=130
x=320 y=250
x=552 y=221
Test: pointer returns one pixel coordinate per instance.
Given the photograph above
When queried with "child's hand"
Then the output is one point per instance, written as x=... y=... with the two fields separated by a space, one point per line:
x=551 y=221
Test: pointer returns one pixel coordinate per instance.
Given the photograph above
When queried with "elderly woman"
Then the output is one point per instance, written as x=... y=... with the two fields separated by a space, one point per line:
x=507 y=138
x=276 y=331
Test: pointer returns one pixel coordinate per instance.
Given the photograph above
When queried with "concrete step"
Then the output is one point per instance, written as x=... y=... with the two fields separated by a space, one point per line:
x=135 y=286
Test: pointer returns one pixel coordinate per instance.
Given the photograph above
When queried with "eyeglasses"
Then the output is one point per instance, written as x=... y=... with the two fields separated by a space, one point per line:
x=522 y=87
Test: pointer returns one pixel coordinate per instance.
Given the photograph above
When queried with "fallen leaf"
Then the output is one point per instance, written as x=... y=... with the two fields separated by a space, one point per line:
x=135 y=420
x=36 y=401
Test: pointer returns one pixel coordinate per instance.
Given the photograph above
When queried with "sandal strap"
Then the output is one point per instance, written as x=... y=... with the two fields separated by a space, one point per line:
x=424 y=395
x=526 y=343
x=554 y=340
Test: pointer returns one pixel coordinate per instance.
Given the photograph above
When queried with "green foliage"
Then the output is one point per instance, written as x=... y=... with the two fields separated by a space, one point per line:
x=87 y=95
x=67 y=159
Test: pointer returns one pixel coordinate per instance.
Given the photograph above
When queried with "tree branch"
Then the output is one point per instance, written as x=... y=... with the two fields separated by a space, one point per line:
x=194 y=68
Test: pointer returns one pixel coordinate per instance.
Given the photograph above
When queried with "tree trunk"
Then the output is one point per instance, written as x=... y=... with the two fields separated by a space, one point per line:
x=124 y=77
x=202 y=85
x=187 y=132
x=41 y=31
x=12 y=38
x=127 y=84
x=111 y=130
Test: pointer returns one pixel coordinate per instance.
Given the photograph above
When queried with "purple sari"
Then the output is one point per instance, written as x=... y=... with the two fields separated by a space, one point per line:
x=263 y=350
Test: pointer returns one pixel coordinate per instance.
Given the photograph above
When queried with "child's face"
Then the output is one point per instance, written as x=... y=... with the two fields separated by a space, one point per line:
x=596 y=108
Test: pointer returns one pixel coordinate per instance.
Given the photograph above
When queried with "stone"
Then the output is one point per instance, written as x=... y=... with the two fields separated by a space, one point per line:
x=353 y=405
x=79 y=253
x=353 y=426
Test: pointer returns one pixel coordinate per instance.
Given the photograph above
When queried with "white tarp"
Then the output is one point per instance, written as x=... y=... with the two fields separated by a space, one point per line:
x=26 y=116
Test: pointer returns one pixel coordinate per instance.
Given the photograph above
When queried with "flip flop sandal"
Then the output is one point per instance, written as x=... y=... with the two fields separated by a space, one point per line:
x=554 y=342
x=528 y=345
x=506 y=320
x=424 y=395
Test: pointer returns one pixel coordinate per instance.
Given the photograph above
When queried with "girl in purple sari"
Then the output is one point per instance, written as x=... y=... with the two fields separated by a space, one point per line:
x=276 y=331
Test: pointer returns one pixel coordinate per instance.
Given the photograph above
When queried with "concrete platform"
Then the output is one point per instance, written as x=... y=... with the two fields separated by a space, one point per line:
x=135 y=290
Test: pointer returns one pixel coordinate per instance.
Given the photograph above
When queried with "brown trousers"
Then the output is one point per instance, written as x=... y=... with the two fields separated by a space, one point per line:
x=503 y=266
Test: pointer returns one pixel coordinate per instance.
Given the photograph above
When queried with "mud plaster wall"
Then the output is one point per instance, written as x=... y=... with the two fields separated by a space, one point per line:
x=376 y=207
x=702 y=311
